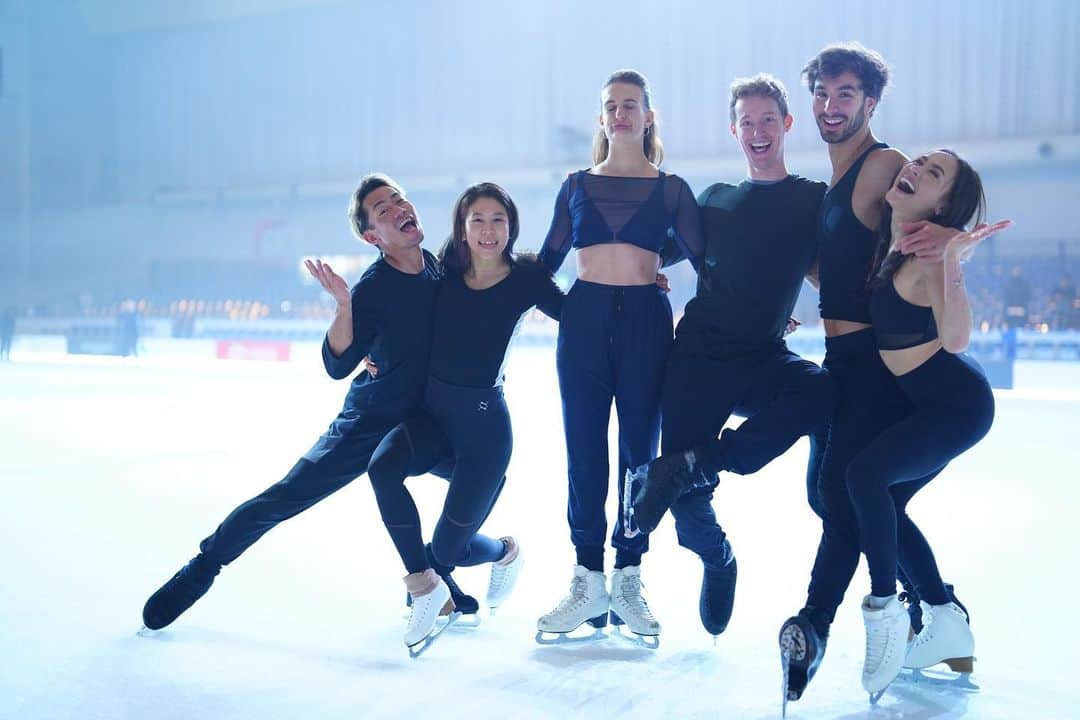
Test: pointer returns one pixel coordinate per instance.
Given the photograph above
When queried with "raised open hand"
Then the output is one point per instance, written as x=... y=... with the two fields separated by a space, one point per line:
x=962 y=244
x=330 y=280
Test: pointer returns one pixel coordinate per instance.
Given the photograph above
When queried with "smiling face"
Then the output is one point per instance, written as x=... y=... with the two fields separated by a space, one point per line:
x=392 y=220
x=921 y=189
x=487 y=228
x=760 y=127
x=624 y=114
x=841 y=107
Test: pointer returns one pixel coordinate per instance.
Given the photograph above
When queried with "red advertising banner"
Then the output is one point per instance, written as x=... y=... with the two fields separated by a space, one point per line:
x=267 y=350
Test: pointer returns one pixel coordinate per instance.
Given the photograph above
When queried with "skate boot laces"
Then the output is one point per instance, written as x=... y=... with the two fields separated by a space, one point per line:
x=575 y=599
x=928 y=613
x=630 y=592
x=878 y=645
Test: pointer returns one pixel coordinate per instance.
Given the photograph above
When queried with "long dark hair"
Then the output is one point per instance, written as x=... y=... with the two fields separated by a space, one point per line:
x=454 y=254
x=964 y=203
x=650 y=143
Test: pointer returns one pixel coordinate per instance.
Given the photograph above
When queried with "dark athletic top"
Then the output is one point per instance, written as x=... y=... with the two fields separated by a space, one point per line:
x=473 y=328
x=760 y=241
x=899 y=324
x=657 y=214
x=846 y=248
x=391 y=313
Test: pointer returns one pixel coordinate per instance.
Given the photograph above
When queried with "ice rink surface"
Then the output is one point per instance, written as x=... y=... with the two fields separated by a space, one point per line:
x=114 y=470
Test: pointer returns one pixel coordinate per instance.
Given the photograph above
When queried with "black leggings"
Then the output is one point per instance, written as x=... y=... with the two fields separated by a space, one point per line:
x=868 y=402
x=340 y=455
x=472 y=424
x=783 y=398
x=953 y=408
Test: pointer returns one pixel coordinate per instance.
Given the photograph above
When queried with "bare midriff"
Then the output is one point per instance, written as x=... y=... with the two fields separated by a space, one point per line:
x=836 y=328
x=901 y=362
x=617 y=264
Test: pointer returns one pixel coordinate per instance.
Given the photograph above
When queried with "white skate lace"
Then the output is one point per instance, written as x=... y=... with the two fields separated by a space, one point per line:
x=927 y=620
x=877 y=646
x=418 y=603
x=631 y=595
x=498 y=577
x=575 y=599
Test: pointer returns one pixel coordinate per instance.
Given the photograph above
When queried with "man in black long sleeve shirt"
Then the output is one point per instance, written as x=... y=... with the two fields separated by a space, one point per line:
x=387 y=315
x=729 y=354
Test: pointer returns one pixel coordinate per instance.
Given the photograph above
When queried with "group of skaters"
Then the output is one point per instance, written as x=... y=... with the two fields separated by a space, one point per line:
x=893 y=403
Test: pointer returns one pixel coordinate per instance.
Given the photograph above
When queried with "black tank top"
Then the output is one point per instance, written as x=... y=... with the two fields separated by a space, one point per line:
x=846 y=249
x=899 y=324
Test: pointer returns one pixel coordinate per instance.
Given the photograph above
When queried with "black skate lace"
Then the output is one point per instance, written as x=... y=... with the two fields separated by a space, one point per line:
x=456 y=593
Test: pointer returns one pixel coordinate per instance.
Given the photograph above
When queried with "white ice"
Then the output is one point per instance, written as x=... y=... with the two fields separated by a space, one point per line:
x=113 y=471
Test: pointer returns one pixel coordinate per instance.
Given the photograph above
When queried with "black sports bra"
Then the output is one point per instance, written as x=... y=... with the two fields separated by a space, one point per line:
x=899 y=324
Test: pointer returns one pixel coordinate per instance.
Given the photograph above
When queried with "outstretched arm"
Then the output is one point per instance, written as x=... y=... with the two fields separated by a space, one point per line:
x=340 y=334
x=948 y=297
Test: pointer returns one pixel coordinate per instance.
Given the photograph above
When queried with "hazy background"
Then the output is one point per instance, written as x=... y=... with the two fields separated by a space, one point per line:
x=171 y=150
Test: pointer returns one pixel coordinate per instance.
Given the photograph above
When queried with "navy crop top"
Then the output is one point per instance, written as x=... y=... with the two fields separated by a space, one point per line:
x=657 y=214
x=846 y=250
x=899 y=324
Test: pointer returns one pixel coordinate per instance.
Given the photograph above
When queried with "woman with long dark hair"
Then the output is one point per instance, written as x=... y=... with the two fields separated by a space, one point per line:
x=626 y=218
x=922 y=324
x=486 y=289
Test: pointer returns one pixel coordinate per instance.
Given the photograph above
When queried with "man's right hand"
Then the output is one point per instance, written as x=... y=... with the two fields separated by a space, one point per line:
x=367 y=364
x=330 y=280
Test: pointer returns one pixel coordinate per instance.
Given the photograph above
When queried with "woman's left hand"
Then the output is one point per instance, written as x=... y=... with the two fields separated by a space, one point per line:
x=662 y=282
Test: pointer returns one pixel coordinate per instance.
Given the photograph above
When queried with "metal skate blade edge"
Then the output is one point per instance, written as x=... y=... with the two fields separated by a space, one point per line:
x=649 y=642
x=421 y=647
x=565 y=638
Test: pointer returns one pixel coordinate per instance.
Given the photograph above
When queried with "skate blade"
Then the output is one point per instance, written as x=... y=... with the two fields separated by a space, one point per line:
x=552 y=638
x=467 y=621
x=874 y=697
x=418 y=649
x=961 y=665
x=926 y=676
x=785 y=661
x=147 y=632
x=784 y=656
x=649 y=642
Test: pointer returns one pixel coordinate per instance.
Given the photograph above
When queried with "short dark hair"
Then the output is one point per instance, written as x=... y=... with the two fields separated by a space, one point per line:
x=866 y=64
x=761 y=85
x=358 y=218
x=454 y=254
